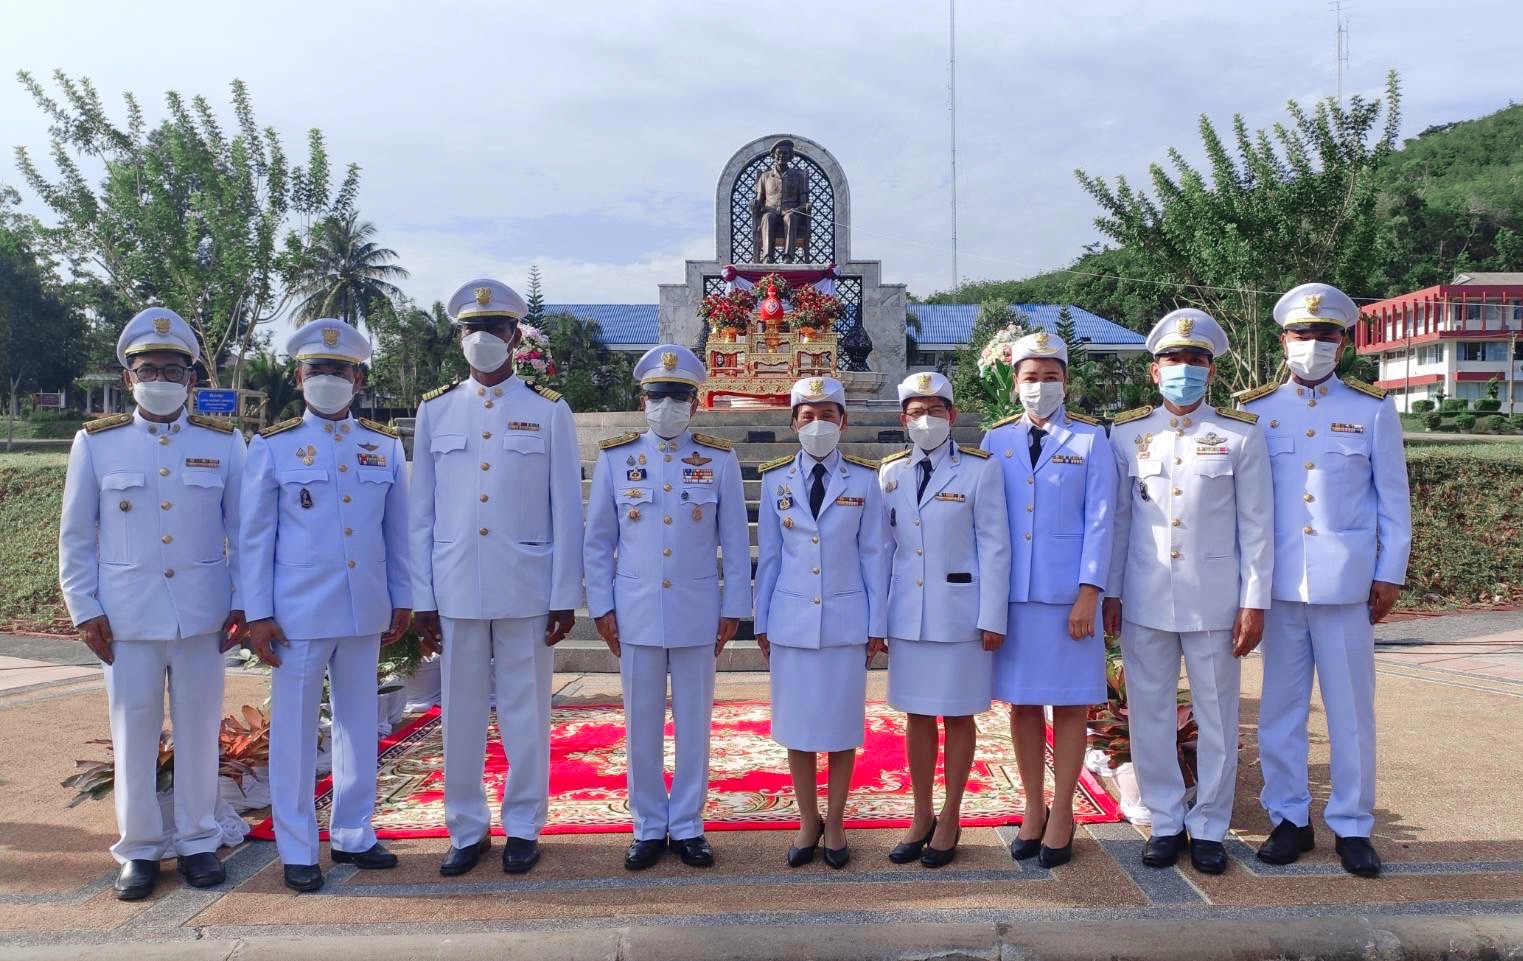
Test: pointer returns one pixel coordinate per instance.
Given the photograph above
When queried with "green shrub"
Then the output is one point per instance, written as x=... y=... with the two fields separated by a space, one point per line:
x=1453 y=405
x=1517 y=421
x=1465 y=554
x=1421 y=406
x=1433 y=421
x=31 y=490
x=1492 y=423
x=1488 y=405
x=1464 y=422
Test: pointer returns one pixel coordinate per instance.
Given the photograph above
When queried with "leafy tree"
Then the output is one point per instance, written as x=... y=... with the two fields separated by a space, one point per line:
x=212 y=223
x=266 y=372
x=993 y=315
x=536 y=301
x=348 y=275
x=415 y=351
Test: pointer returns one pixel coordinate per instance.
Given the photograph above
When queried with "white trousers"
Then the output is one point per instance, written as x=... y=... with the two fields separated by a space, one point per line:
x=1337 y=641
x=296 y=693
x=1152 y=660
x=643 y=671
x=135 y=691
x=510 y=653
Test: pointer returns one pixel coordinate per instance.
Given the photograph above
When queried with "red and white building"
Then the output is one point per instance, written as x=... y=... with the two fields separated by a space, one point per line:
x=1454 y=338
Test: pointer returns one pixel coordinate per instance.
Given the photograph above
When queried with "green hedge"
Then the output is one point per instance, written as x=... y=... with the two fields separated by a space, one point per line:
x=1453 y=405
x=1422 y=406
x=31 y=488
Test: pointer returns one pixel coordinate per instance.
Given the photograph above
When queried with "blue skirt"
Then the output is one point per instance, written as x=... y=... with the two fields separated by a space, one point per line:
x=938 y=679
x=1040 y=664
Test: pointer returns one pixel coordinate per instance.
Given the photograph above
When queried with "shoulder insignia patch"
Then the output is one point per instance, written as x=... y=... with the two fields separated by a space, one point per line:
x=1127 y=416
x=1263 y=390
x=1241 y=415
x=867 y=462
x=1370 y=390
x=975 y=451
x=618 y=441
x=1008 y=420
x=551 y=395
x=222 y=424
x=440 y=391
x=775 y=463
x=379 y=428
x=898 y=455
x=284 y=425
x=718 y=443
x=1084 y=419
x=107 y=423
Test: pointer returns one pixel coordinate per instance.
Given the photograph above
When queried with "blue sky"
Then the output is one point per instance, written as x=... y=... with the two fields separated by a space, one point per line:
x=587 y=137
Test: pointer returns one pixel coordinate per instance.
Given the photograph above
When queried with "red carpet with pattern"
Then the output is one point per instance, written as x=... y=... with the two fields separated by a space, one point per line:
x=749 y=787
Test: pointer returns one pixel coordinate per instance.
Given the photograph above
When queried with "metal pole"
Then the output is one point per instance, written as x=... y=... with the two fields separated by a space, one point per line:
x=952 y=110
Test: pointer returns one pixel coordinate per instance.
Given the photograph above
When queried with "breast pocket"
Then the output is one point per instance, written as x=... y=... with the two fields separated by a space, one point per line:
x=1349 y=452
x=1213 y=467
x=303 y=490
x=1280 y=444
x=122 y=492
x=441 y=444
x=702 y=503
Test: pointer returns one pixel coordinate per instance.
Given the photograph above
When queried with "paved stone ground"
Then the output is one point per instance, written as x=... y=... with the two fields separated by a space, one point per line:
x=1451 y=715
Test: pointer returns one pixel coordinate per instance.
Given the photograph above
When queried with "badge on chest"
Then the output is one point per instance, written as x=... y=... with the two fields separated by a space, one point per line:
x=951 y=497
x=697 y=475
x=635 y=474
x=371 y=460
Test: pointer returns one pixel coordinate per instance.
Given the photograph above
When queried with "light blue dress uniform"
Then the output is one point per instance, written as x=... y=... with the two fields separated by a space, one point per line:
x=659 y=513
x=821 y=588
x=950 y=571
x=1060 y=520
x=1342 y=519
x=1194 y=545
x=496 y=532
x=324 y=548
x=147 y=538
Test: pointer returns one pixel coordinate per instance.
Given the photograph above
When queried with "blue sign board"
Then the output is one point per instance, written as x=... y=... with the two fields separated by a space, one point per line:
x=216 y=401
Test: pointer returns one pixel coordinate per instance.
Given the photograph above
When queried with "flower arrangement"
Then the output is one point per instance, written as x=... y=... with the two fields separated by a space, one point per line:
x=996 y=375
x=531 y=358
x=243 y=745
x=731 y=311
x=814 y=312
x=1109 y=725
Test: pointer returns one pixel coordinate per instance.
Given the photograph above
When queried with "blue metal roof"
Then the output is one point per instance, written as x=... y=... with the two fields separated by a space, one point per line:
x=638 y=325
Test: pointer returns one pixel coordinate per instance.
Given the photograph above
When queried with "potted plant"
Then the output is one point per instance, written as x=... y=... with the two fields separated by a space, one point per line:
x=1109 y=733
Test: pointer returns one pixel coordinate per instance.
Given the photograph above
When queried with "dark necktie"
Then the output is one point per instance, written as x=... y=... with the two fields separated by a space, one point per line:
x=817 y=490
x=1037 y=434
x=925 y=478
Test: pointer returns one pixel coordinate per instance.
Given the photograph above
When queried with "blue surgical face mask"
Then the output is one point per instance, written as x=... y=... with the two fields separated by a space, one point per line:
x=1182 y=384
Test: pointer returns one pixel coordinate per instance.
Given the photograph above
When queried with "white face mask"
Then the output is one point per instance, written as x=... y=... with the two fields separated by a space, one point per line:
x=1311 y=359
x=668 y=417
x=326 y=393
x=484 y=352
x=1042 y=398
x=159 y=398
x=928 y=432
x=819 y=438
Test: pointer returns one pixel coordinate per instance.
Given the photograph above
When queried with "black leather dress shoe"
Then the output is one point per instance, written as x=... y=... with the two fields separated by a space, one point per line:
x=1162 y=850
x=202 y=870
x=377 y=858
x=460 y=860
x=643 y=854
x=519 y=855
x=1358 y=856
x=798 y=857
x=936 y=857
x=839 y=857
x=303 y=877
x=136 y=879
x=694 y=852
x=1208 y=857
x=907 y=851
x=1024 y=849
x=1286 y=843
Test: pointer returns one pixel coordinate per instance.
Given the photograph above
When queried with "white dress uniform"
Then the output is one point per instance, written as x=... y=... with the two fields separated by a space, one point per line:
x=324 y=546
x=1342 y=520
x=821 y=588
x=1193 y=546
x=496 y=545
x=147 y=538
x=658 y=513
x=950 y=572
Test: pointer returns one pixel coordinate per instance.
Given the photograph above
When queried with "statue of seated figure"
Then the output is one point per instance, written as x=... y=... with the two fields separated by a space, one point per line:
x=781 y=207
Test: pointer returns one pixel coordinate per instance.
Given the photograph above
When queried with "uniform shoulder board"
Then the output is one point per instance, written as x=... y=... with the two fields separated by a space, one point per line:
x=618 y=441
x=222 y=424
x=718 y=443
x=284 y=425
x=1241 y=415
x=975 y=451
x=893 y=457
x=107 y=423
x=1084 y=419
x=379 y=427
x=1363 y=388
x=1008 y=420
x=440 y=391
x=1127 y=416
x=1254 y=393
x=551 y=395
x=775 y=463
x=867 y=462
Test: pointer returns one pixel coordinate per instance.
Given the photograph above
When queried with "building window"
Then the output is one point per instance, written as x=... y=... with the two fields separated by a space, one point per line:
x=1483 y=351
x=1430 y=354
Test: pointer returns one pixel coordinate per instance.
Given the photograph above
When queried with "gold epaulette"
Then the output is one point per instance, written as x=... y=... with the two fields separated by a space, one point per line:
x=1254 y=393
x=551 y=395
x=284 y=425
x=379 y=427
x=1369 y=389
x=222 y=424
x=893 y=457
x=867 y=462
x=718 y=443
x=776 y=463
x=107 y=423
x=1241 y=415
x=1127 y=416
x=975 y=451
x=1008 y=420
x=1084 y=418
x=440 y=391
x=618 y=441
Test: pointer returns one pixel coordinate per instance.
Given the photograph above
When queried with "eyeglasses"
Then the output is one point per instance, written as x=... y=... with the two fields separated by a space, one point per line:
x=172 y=373
x=333 y=368
x=935 y=411
x=669 y=392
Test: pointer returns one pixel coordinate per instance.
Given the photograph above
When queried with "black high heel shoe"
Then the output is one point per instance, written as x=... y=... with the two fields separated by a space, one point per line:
x=907 y=851
x=1052 y=857
x=937 y=858
x=839 y=857
x=1024 y=849
x=798 y=857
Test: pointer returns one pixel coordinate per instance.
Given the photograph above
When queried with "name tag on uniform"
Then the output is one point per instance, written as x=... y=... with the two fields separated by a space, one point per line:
x=635 y=474
x=1067 y=459
x=521 y=425
x=697 y=475
x=1349 y=428
x=954 y=498
x=852 y=501
x=203 y=462
x=372 y=460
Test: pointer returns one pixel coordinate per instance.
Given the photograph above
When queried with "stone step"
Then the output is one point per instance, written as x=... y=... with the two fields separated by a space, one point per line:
x=743 y=434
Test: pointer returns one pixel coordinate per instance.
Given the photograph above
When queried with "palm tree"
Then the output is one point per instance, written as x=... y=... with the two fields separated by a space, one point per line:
x=348 y=274
x=265 y=372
